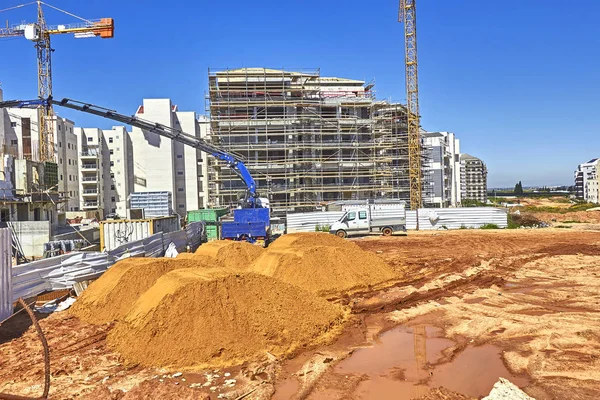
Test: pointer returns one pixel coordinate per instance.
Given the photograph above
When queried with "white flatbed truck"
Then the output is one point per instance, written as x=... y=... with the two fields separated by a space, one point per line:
x=367 y=217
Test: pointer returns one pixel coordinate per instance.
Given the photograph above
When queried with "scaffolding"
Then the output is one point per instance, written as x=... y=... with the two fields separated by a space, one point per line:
x=308 y=140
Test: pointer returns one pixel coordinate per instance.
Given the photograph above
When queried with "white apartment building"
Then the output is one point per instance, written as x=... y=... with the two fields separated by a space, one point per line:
x=203 y=165
x=163 y=165
x=25 y=143
x=119 y=184
x=586 y=181
x=444 y=168
x=93 y=169
x=474 y=173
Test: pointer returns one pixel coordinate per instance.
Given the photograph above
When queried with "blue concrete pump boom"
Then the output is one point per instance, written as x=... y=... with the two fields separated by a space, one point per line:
x=234 y=162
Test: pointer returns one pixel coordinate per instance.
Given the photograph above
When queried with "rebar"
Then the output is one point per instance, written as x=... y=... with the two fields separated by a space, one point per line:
x=44 y=396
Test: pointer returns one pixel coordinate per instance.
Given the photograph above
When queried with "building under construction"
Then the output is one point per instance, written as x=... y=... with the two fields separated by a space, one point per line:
x=307 y=139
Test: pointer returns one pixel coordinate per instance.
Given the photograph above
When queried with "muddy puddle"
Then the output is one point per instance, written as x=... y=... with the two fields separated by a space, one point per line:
x=406 y=362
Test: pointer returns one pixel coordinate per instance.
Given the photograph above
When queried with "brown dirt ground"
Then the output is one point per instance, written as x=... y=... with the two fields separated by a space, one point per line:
x=533 y=293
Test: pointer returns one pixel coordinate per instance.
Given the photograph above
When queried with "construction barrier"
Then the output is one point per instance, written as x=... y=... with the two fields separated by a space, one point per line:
x=62 y=272
x=5 y=274
x=429 y=218
x=456 y=218
x=308 y=222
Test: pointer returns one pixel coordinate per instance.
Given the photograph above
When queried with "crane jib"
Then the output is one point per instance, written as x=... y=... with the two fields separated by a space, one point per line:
x=233 y=162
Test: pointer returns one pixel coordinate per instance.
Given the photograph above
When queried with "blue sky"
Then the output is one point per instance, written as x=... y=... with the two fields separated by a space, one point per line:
x=517 y=83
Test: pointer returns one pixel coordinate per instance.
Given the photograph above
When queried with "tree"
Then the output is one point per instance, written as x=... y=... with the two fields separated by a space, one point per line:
x=519 y=188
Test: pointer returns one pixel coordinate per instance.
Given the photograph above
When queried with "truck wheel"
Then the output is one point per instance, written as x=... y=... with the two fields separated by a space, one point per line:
x=342 y=234
x=387 y=231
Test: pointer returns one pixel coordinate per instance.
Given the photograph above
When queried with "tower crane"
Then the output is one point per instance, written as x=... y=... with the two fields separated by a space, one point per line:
x=407 y=14
x=39 y=33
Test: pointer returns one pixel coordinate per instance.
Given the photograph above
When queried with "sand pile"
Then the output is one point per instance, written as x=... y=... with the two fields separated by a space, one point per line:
x=111 y=296
x=236 y=256
x=208 y=317
x=324 y=264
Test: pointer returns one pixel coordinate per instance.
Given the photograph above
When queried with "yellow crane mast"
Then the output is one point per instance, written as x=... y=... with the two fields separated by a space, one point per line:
x=407 y=14
x=39 y=33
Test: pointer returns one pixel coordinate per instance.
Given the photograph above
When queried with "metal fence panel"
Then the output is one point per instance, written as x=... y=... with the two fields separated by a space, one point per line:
x=6 y=300
x=456 y=218
x=307 y=222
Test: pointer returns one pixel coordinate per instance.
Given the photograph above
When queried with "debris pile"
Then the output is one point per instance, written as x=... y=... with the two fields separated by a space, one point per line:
x=324 y=264
x=233 y=255
x=199 y=317
x=112 y=295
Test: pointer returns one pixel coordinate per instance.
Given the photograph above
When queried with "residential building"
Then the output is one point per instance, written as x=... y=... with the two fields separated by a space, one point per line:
x=24 y=142
x=68 y=162
x=94 y=170
x=444 y=168
x=9 y=141
x=586 y=177
x=475 y=178
x=163 y=165
x=118 y=185
x=204 y=184
x=307 y=139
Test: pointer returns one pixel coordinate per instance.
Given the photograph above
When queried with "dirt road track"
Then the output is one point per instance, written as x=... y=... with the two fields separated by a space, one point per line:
x=535 y=294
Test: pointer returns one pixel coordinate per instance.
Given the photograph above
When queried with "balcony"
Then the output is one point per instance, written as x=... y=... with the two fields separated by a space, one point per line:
x=90 y=204
x=89 y=166
x=90 y=192
x=90 y=153
x=89 y=179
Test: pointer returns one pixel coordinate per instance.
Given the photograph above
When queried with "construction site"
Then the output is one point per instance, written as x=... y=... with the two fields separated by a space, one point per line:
x=302 y=240
x=310 y=139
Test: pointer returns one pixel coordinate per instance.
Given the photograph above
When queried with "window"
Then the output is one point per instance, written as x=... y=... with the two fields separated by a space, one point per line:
x=69 y=177
x=69 y=162
x=112 y=163
x=114 y=210
x=351 y=216
x=70 y=129
x=14 y=142
x=182 y=206
x=110 y=140
x=59 y=127
x=69 y=146
x=180 y=189
x=118 y=160
x=179 y=155
x=13 y=124
x=60 y=160
x=112 y=199
x=362 y=215
x=59 y=144
x=90 y=139
x=111 y=151
x=112 y=175
x=179 y=172
x=61 y=177
x=112 y=187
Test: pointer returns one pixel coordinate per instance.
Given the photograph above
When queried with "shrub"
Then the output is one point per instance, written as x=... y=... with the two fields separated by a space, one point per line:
x=489 y=226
